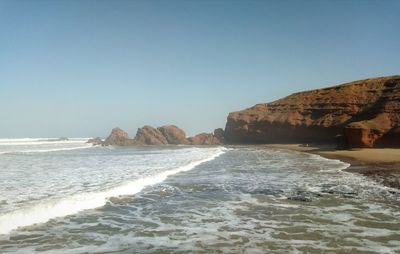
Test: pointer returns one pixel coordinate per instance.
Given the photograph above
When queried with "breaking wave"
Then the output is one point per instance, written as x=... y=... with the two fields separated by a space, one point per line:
x=47 y=210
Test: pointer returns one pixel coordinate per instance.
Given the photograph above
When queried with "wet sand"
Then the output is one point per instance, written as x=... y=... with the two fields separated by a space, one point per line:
x=382 y=164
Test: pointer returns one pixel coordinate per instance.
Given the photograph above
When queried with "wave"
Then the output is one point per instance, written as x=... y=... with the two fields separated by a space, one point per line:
x=20 y=139
x=337 y=165
x=36 y=139
x=40 y=142
x=46 y=150
x=45 y=211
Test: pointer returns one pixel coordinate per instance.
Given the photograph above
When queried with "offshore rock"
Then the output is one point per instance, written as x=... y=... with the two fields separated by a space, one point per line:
x=164 y=135
x=95 y=141
x=173 y=135
x=119 y=137
x=363 y=113
x=150 y=136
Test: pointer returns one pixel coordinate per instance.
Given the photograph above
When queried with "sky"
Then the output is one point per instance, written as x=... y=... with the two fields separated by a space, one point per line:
x=80 y=68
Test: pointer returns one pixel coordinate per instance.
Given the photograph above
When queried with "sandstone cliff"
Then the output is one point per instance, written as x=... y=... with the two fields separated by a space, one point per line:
x=363 y=113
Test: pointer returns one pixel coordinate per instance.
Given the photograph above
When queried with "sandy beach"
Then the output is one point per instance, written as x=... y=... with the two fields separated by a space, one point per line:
x=382 y=164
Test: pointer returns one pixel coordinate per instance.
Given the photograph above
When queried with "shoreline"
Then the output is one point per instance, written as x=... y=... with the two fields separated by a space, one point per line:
x=380 y=164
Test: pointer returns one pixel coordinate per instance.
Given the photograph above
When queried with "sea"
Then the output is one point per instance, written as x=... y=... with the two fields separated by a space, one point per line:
x=67 y=196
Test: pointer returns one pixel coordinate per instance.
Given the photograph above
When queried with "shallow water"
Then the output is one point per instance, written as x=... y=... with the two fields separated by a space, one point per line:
x=189 y=199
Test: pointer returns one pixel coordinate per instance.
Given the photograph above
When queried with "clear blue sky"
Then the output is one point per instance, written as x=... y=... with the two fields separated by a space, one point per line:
x=79 y=68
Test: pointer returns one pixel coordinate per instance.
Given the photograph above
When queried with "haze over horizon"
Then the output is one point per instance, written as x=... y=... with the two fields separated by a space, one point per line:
x=80 y=68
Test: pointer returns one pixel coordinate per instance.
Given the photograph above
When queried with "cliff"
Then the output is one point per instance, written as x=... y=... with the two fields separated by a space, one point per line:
x=363 y=113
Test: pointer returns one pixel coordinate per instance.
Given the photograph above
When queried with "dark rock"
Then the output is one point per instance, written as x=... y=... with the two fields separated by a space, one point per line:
x=300 y=198
x=95 y=141
x=220 y=134
x=55 y=139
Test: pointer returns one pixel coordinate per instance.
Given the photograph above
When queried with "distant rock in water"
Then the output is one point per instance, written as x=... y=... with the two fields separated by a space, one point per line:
x=95 y=141
x=150 y=136
x=164 y=135
x=173 y=135
x=55 y=139
x=119 y=137
x=363 y=113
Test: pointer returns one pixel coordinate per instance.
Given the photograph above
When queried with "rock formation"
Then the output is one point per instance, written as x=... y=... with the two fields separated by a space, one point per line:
x=150 y=136
x=120 y=138
x=164 y=135
x=363 y=113
x=95 y=141
x=173 y=134
x=219 y=134
x=204 y=139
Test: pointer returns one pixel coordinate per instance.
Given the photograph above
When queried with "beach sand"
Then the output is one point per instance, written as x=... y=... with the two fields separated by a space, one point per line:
x=382 y=164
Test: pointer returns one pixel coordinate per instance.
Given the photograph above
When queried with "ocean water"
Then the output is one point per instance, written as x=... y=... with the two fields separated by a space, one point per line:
x=70 y=197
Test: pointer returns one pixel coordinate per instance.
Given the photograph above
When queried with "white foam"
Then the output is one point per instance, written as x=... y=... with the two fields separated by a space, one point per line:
x=20 y=139
x=45 y=211
x=25 y=143
x=47 y=150
x=35 y=139
x=339 y=165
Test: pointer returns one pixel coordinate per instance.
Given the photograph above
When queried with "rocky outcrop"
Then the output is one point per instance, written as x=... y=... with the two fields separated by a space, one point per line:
x=150 y=136
x=216 y=138
x=220 y=135
x=204 y=139
x=173 y=135
x=363 y=113
x=164 y=135
x=119 y=137
x=95 y=141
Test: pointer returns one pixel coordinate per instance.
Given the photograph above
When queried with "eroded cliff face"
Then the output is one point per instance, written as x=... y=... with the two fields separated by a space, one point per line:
x=363 y=113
